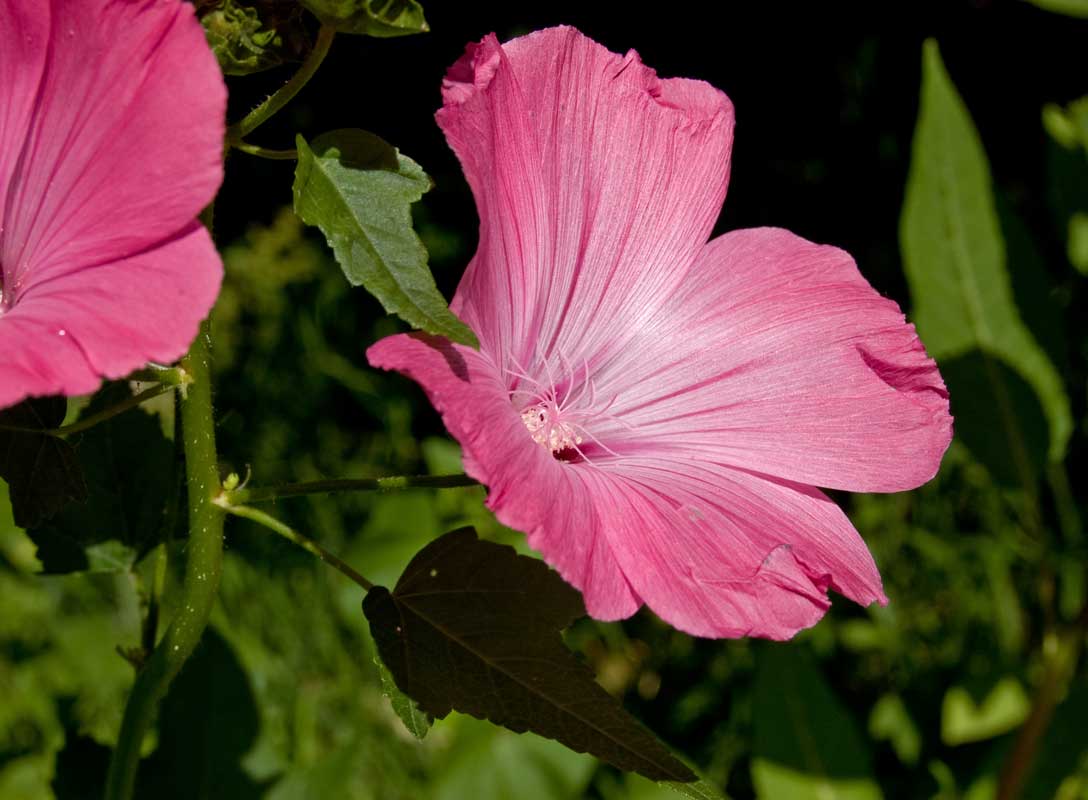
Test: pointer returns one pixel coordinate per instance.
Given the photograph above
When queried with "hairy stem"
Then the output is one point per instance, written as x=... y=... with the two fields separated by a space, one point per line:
x=282 y=96
x=287 y=532
x=202 y=569
x=265 y=493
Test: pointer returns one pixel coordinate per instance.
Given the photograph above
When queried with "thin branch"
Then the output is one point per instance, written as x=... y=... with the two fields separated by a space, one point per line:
x=393 y=483
x=282 y=96
x=287 y=532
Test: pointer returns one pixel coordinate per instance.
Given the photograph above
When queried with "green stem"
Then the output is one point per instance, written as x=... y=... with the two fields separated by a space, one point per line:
x=265 y=493
x=273 y=524
x=282 y=96
x=111 y=412
x=170 y=376
x=264 y=152
x=201 y=584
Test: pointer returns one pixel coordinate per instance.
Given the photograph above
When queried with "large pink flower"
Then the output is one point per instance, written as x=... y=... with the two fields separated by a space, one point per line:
x=653 y=410
x=111 y=136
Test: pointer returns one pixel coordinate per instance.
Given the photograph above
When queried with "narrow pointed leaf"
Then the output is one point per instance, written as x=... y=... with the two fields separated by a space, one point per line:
x=474 y=627
x=359 y=190
x=955 y=259
x=416 y=721
x=41 y=470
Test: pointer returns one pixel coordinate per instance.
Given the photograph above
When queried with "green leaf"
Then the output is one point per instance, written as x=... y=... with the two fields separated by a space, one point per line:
x=490 y=763
x=358 y=190
x=381 y=18
x=889 y=720
x=249 y=36
x=41 y=470
x=416 y=721
x=955 y=260
x=1071 y=8
x=129 y=465
x=806 y=743
x=473 y=626
x=963 y=720
x=209 y=721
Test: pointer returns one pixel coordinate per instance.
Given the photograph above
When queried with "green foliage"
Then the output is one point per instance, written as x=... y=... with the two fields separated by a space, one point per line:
x=1003 y=709
x=40 y=469
x=1068 y=173
x=213 y=723
x=250 y=36
x=806 y=744
x=382 y=18
x=955 y=260
x=415 y=721
x=358 y=190
x=1072 y=8
x=473 y=626
x=132 y=498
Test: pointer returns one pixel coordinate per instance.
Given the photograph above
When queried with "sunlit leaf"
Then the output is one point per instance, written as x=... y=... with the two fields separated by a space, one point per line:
x=415 y=721
x=358 y=190
x=41 y=470
x=1071 y=8
x=806 y=744
x=382 y=18
x=129 y=465
x=955 y=259
x=963 y=720
x=472 y=626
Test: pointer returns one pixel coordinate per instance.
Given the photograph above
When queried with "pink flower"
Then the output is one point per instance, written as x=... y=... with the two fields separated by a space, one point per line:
x=111 y=137
x=654 y=410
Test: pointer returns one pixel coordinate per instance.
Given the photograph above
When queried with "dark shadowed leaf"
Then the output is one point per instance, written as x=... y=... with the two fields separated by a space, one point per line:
x=955 y=258
x=806 y=743
x=129 y=467
x=416 y=721
x=209 y=722
x=41 y=470
x=249 y=36
x=472 y=626
x=358 y=190
x=382 y=18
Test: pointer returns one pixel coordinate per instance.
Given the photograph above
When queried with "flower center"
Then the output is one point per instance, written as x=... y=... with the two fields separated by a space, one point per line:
x=545 y=424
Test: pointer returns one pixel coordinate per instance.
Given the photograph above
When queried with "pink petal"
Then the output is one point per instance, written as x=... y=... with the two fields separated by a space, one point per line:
x=721 y=552
x=528 y=489
x=65 y=335
x=124 y=146
x=778 y=357
x=111 y=131
x=587 y=169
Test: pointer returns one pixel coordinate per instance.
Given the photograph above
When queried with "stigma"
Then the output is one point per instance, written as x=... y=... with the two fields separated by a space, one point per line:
x=545 y=424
